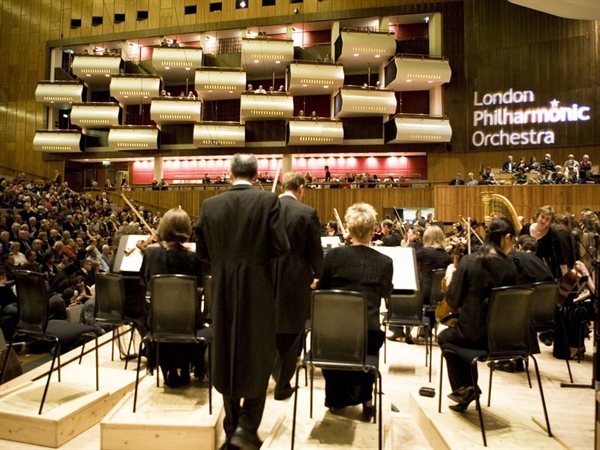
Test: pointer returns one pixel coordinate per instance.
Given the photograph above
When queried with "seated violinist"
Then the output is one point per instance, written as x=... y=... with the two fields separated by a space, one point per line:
x=468 y=291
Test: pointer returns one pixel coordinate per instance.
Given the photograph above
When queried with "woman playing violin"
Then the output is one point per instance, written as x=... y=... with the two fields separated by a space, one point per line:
x=470 y=290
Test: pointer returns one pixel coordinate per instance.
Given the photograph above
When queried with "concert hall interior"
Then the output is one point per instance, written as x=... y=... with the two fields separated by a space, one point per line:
x=465 y=109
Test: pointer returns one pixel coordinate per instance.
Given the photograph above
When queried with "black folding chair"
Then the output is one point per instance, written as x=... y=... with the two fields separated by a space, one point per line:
x=407 y=310
x=109 y=307
x=33 y=303
x=545 y=300
x=509 y=330
x=339 y=344
x=174 y=311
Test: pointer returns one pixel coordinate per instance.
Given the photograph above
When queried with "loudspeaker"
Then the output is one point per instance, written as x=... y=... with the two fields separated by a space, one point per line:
x=97 y=20
x=142 y=15
x=75 y=23
x=119 y=18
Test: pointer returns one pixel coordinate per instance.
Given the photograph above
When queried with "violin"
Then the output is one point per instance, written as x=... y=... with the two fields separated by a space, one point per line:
x=444 y=313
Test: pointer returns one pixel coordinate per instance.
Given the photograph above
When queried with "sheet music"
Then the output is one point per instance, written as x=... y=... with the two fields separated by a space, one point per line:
x=129 y=257
x=405 y=266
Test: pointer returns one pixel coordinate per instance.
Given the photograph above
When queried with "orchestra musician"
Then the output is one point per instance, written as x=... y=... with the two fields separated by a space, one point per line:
x=357 y=267
x=169 y=256
x=549 y=247
x=469 y=290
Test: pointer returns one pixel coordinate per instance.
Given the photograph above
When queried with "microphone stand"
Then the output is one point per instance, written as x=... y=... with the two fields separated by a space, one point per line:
x=595 y=384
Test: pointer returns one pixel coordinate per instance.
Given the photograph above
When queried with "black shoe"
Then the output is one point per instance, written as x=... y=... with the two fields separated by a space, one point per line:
x=395 y=337
x=464 y=400
x=245 y=439
x=367 y=413
x=284 y=393
x=409 y=339
x=504 y=366
x=519 y=365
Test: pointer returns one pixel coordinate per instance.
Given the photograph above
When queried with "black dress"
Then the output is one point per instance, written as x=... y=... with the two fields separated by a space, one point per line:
x=362 y=269
x=549 y=250
x=430 y=258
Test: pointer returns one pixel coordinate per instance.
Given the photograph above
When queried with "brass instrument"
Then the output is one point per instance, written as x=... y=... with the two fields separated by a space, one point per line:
x=496 y=205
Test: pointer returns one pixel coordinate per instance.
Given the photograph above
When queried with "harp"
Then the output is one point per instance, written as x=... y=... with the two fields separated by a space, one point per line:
x=496 y=205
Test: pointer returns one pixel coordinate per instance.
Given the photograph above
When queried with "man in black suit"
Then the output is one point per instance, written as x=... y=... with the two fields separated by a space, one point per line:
x=458 y=181
x=509 y=166
x=238 y=235
x=295 y=274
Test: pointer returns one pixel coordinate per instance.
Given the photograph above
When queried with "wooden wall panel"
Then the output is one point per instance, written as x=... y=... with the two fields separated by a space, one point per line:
x=452 y=201
x=449 y=201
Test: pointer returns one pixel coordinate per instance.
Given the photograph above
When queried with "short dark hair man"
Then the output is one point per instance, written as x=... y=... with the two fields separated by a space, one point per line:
x=295 y=274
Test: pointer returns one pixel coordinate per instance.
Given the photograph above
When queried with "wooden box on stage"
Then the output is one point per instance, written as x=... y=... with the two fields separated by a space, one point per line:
x=165 y=419
x=71 y=407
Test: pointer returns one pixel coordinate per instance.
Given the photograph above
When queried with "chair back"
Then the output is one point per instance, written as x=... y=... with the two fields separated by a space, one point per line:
x=436 y=295
x=338 y=327
x=110 y=298
x=509 y=321
x=32 y=297
x=208 y=299
x=545 y=300
x=173 y=306
x=406 y=306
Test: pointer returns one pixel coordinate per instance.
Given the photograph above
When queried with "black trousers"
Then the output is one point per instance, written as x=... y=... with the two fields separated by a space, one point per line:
x=459 y=370
x=288 y=347
x=246 y=413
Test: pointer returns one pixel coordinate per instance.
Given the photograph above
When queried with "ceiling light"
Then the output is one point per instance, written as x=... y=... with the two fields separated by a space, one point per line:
x=325 y=87
x=187 y=68
x=356 y=54
x=427 y=19
x=167 y=68
x=107 y=75
x=277 y=62
x=256 y=61
x=409 y=81
x=231 y=92
x=304 y=85
x=430 y=81
x=377 y=56
x=88 y=74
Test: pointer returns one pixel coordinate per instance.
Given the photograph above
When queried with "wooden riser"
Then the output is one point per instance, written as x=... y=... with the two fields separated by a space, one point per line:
x=326 y=430
x=72 y=406
x=165 y=419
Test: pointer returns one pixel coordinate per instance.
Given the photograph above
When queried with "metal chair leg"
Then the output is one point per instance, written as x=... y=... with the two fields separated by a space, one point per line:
x=137 y=376
x=5 y=363
x=129 y=346
x=55 y=352
x=295 y=405
x=209 y=349
x=474 y=381
x=441 y=379
x=537 y=374
x=492 y=367
x=97 y=364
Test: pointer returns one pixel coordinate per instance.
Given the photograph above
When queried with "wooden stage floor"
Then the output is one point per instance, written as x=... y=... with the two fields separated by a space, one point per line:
x=413 y=421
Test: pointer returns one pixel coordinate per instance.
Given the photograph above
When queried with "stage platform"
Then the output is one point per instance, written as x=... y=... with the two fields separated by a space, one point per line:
x=72 y=406
x=164 y=416
x=412 y=422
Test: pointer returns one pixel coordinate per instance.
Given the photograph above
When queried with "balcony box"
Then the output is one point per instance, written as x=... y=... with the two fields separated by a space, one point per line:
x=353 y=101
x=175 y=110
x=308 y=78
x=416 y=73
x=274 y=106
x=215 y=134
x=134 y=90
x=95 y=115
x=176 y=64
x=219 y=83
x=96 y=70
x=315 y=132
x=59 y=94
x=133 y=138
x=407 y=129
x=57 y=141
x=266 y=55
x=359 y=50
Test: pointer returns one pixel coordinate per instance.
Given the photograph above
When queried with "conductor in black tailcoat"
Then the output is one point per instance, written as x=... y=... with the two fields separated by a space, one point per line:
x=238 y=235
x=295 y=275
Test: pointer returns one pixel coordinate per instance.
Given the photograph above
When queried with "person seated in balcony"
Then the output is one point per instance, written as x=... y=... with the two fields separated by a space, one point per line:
x=260 y=90
x=559 y=177
x=281 y=88
x=571 y=162
x=271 y=90
x=585 y=168
x=301 y=114
x=326 y=58
x=219 y=180
x=458 y=181
x=571 y=174
x=108 y=185
x=522 y=163
x=550 y=165
x=182 y=94
x=520 y=177
x=488 y=177
x=250 y=88
x=544 y=177
x=163 y=184
x=534 y=165
x=319 y=58
x=154 y=185
x=206 y=179
x=191 y=95
x=313 y=115
x=509 y=165
x=472 y=181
